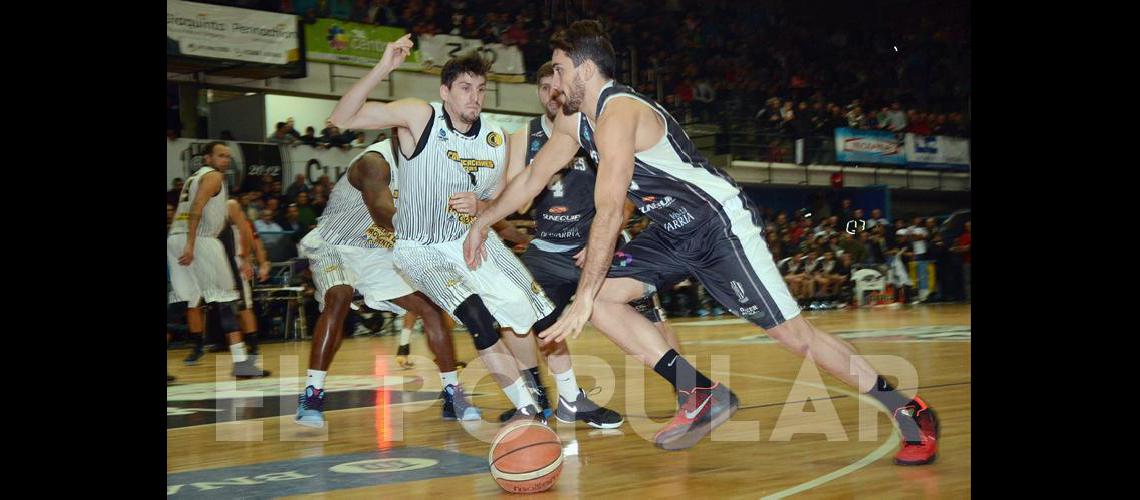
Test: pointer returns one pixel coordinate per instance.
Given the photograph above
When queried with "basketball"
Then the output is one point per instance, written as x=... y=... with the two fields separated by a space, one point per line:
x=526 y=457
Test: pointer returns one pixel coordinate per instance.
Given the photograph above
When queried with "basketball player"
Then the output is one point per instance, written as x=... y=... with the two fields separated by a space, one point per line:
x=447 y=149
x=350 y=250
x=562 y=219
x=240 y=255
x=198 y=267
x=703 y=224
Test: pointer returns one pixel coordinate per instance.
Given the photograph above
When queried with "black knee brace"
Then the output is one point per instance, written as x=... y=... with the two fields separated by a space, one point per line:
x=227 y=316
x=560 y=297
x=647 y=308
x=475 y=316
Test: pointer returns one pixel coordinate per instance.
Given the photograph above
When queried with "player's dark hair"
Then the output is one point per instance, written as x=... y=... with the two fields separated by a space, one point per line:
x=209 y=149
x=547 y=69
x=471 y=63
x=584 y=40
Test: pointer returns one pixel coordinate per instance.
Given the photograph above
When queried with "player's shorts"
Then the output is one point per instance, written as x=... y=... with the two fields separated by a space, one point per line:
x=558 y=276
x=207 y=277
x=508 y=290
x=732 y=261
x=370 y=271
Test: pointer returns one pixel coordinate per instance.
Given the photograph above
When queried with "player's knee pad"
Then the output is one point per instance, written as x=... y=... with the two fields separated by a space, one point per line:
x=227 y=316
x=475 y=316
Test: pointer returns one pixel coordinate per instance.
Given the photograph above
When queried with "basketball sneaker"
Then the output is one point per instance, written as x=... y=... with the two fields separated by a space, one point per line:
x=529 y=412
x=540 y=397
x=583 y=409
x=456 y=406
x=195 y=354
x=248 y=369
x=921 y=430
x=402 y=357
x=310 y=408
x=704 y=410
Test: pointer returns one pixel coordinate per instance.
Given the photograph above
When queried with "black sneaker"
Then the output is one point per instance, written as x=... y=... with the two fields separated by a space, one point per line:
x=456 y=406
x=587 y=411
x=402 y=357
x=529 y=412
x=539 y=395
x=195 y=354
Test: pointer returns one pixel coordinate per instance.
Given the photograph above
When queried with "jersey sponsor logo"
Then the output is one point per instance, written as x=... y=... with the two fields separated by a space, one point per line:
x=558 y=209
x=469 y=165
x=632 y=183
x=680 y=219
x=562 y=218
x=329 y=269
x=535 y=288
x=594 y=156
x=465 y=219
x=535 y=145
x=573 y=233
x=739 y=290
x=580 y=163
x=494 y=139
x=652 y=203
x=380 y=236
x=622 y=259
x=452 y=282
x=442 y=135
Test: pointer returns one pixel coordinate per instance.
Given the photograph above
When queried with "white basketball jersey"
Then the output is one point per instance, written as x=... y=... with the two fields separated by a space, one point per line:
x=449 y=162
x=346 y=220
x=213 y=214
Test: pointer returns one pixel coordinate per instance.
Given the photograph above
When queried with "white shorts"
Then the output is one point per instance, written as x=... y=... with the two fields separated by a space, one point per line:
x=501 y=281
x=207 y=277
x=370 y=271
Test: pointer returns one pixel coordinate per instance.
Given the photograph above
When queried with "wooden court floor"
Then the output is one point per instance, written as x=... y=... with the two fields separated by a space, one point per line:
x=385 y=438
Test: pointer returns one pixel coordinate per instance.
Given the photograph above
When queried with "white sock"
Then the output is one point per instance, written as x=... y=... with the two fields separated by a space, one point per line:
x=405 y=336
x=567 y=385
x=238 y=350
x=316 y=378
x=519 y=393
x=449 y=378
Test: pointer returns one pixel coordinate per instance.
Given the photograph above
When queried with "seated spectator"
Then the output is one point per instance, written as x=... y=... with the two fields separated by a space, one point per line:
x=876 y=219
x=309 y=139
x=266 y=223
x=307 y=215
x=358 y=142
x=318 y=199
x=273 y=204
x=799 y=285
x=291 y=221
x=298 y=186
x=175 y=192
x=281 y=135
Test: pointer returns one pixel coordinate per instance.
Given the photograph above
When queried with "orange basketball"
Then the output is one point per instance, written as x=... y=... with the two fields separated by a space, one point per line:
x=526 y=457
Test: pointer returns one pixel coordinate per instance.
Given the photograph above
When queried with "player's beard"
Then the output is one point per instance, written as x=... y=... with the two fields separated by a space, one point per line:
x=469 y=116
x=573 y=96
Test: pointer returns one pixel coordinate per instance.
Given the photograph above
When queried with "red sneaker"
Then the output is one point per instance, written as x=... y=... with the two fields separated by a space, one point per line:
x=921 y=430
x=703 y=410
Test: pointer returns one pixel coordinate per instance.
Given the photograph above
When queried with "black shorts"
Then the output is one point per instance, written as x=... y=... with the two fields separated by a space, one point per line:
x=558 y=276
x=728 y=256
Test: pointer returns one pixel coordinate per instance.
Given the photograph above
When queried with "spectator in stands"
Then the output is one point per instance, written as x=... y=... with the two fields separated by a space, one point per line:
x=917 y=123
x=310 y=138
x=175 y=191
x=844 y=212
x=291 y=222
x=939 y=254
x=291 y=129
x=273 y=204
x=799 y=284
x=876 y=219
x=855 y=247
x=281 y=135
x=307 y=216
x=319 y=199
x=298 y=186
x=704 y=95
x=769 y=115
x=896 y=119
x=517 y=34
x=253 y=203
x=961 y=248
x=266 y=222
x=855 y=117
x=326 y=182
x=358 y=142
x=835 y=275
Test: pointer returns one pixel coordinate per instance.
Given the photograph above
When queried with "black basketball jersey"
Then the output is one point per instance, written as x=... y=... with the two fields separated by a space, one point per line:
x=564 y=210
x=673 y=183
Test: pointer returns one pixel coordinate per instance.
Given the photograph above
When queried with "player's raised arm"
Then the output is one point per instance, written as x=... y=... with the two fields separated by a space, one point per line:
x=352 y=112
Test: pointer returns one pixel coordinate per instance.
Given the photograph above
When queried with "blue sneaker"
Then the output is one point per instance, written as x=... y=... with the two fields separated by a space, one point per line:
x=456 y=406
x=309 y=408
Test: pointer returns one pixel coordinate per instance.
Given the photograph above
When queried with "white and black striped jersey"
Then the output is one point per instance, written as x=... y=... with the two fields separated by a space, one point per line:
x=346 y=219
x=446 y=162
x=213 y=214
x=673 y=183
